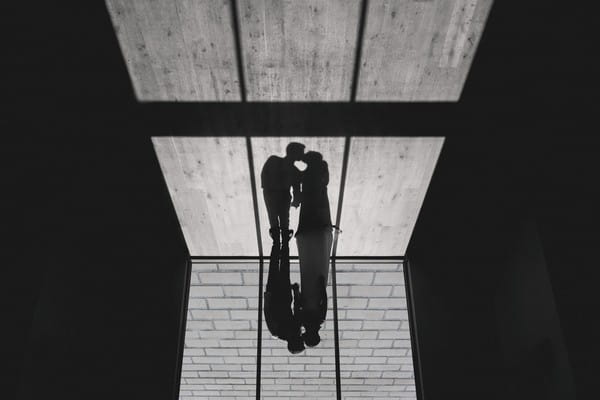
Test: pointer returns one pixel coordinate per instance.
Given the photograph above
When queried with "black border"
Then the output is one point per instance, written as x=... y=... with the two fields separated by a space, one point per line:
x=412 y=322
x=182 y=327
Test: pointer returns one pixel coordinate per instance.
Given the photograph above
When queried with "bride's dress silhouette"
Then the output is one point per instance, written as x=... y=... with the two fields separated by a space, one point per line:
x=314 y=239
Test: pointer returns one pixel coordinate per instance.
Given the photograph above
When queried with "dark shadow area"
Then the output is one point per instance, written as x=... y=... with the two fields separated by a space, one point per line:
x=473 y=219
x=106 y=320
x=531 y=337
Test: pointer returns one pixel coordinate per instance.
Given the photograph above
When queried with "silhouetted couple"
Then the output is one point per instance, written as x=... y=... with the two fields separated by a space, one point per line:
x=298 y=325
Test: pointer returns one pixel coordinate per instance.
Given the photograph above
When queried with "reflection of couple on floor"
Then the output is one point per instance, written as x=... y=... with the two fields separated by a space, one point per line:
x=298 y=325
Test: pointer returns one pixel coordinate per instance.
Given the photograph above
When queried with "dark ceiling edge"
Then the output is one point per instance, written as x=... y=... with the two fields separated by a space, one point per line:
x=343 y=259
x=250 y=156
x=235 y=21
x=358 y=52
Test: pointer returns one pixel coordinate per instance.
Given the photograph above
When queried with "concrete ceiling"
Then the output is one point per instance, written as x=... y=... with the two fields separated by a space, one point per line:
x=332 y=149
x=177 y=50
x=298 y=50
x=419 y=50
x=209 y=181
x=408 y=50
x=220 y=348
x=386 y=183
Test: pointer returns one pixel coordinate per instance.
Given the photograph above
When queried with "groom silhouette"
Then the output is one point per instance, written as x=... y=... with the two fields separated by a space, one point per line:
x=278 y=175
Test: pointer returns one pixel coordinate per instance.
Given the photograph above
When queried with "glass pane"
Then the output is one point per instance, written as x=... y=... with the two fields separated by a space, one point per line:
x=310 y=374
x=386 y=182
x=332 y=149
x=291 y=55
x=209 y=183
x=219 y=356
x=375 y=349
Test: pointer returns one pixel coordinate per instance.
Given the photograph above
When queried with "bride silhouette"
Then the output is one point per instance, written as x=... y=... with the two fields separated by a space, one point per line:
x=314 y=239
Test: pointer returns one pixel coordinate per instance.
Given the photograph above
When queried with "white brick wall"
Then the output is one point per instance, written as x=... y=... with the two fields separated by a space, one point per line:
x=374 y=332
x=312 y=365
x=220 y=347
x=221 y=337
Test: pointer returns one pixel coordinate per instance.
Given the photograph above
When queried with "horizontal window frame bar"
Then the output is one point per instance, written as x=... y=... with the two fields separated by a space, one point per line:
x=338 y=259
